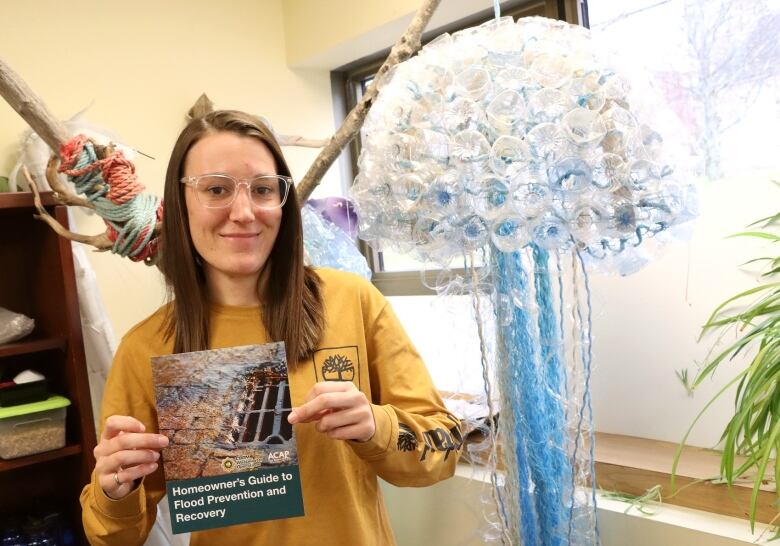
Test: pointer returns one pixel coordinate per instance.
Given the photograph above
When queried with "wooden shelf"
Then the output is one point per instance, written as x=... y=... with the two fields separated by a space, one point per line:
x=41 y=283
x=34 y=345
x=633 y=465
x=67 y=451
x=24 y=199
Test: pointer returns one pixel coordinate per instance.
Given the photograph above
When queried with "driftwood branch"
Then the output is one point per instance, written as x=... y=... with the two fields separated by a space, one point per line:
x=404 y=48
x=101 y=242
x=32 y=109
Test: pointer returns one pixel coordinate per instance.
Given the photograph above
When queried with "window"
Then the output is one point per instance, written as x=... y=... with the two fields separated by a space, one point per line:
x=718 y=67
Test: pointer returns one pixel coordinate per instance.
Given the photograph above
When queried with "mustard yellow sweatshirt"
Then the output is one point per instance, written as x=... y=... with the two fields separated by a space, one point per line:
x=416 y=443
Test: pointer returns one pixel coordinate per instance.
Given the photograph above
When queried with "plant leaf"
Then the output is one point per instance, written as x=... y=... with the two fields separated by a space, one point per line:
x=759 y=234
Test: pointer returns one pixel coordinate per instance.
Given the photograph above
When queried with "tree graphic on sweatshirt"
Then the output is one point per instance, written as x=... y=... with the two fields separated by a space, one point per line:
x=338 y=368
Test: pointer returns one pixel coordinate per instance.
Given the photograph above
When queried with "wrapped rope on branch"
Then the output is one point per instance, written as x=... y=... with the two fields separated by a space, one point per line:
x=108 y=181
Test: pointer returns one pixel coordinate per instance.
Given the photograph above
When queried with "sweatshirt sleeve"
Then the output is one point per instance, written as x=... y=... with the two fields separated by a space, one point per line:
x=128 y=391
x=417 y=441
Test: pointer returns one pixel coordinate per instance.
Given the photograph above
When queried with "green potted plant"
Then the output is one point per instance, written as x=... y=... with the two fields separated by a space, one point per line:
x=753 y=432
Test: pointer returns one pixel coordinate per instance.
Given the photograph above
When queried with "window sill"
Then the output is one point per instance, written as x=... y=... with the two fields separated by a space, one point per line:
x=634 y=465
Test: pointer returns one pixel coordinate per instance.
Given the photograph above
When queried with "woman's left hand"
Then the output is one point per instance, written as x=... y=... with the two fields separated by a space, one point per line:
x=340 y=410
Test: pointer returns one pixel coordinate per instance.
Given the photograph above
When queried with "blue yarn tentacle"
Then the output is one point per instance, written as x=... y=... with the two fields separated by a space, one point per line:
x=555 y=464
x=518 y=386
x=533 y=378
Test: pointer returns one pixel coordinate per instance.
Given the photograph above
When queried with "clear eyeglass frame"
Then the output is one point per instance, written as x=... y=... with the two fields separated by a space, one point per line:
x=193 y=182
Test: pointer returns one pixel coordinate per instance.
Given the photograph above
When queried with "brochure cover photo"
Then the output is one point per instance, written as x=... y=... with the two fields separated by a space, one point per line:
x=232 y=456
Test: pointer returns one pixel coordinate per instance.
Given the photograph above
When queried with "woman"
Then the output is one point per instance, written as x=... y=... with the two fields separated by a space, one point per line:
x=233 y=261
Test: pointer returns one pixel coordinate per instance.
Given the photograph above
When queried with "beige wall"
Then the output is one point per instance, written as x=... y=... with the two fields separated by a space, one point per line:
x=313 y=27
x=333 y=33
x=141 y=66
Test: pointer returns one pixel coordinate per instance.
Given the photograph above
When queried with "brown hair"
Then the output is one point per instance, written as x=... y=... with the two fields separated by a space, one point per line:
x=292 y=309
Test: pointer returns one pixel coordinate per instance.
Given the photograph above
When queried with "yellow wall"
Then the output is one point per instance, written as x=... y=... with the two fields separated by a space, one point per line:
x=329 y=34
x=142 y=65
x=313 y=26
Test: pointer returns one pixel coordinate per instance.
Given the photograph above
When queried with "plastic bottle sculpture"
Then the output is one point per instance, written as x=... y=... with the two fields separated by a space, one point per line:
x=520 y=147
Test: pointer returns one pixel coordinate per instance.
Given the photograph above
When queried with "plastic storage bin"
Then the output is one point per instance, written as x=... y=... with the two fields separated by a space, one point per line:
x=33 y=428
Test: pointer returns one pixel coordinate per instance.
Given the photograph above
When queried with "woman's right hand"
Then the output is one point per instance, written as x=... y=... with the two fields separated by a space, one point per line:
x=125 y=454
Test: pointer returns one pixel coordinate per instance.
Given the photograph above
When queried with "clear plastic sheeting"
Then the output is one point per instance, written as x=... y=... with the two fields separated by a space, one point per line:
x=511 y=158
x=327 y=245
x=14 y=326
x=99 y=339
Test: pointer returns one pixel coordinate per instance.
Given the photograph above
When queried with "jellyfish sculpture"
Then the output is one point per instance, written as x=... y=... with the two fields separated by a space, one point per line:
x=513 y=158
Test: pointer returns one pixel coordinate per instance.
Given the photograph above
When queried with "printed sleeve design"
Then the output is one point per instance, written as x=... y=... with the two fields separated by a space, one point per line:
x=407 y=441
x=441 y=439
x=417 y=441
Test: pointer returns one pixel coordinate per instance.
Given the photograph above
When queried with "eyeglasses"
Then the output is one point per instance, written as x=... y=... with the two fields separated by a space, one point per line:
x=216 y=191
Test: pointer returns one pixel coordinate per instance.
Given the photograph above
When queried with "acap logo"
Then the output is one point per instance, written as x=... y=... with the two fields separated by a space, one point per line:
x=276 y=456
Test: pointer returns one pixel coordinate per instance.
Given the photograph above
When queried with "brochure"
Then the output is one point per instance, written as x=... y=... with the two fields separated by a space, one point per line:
x=232 y=456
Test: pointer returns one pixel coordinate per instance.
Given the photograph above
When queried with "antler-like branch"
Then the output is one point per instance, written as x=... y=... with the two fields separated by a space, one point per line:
x=204 y=105
x=100 y=242
x=404 y=48
x=61 y=191
x=53 y=132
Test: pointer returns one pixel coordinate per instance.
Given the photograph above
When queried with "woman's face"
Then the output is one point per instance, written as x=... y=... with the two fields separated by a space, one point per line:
x=234 y=242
